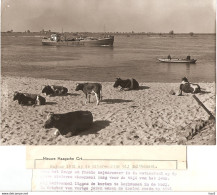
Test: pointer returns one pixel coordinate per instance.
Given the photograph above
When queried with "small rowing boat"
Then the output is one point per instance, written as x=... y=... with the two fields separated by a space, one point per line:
x=176 y=60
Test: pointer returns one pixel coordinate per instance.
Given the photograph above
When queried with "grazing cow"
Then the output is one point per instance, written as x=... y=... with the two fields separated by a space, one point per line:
x=187 y=87
x=54 y=90
x=29 y=99
x=91 y=88
x=128 y=84
x=70 y=123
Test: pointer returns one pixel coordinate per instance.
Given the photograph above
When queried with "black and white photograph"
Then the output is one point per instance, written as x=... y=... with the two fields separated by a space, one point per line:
x=113 y=73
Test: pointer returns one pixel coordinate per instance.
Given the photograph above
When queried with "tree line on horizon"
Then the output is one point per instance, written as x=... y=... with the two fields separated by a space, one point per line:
x=171 y=32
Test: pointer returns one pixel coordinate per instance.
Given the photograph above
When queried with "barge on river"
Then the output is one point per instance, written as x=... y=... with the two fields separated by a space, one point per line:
x=57 y=40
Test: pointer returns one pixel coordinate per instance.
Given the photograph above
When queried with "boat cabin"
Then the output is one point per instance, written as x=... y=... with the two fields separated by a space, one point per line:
x=55 y=37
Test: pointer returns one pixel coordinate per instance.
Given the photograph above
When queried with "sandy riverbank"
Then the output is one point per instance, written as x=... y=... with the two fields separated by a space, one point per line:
x=147 y=116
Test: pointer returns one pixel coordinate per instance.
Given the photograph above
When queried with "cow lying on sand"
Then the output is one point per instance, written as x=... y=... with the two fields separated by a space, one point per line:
x=188 y=87
x=29 y=99
x=91 y=88
x=70 y=123
x=128 y=84
x=54 y=90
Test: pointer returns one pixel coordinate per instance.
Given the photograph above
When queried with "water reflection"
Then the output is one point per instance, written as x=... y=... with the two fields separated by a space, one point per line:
x=188 y=68
x=178 y=70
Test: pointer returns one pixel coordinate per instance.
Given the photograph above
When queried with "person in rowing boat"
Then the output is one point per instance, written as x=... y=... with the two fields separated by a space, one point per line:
x=169 y=57
x=188 y=57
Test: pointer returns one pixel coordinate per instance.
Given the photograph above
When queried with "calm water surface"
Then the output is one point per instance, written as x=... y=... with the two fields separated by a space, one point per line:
x=134 y=56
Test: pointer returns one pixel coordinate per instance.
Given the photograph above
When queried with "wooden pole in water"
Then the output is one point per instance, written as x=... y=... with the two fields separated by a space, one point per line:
x=204 y=107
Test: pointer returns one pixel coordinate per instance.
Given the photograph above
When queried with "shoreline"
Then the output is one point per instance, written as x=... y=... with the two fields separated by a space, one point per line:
x=149 y=116
x=92 y=80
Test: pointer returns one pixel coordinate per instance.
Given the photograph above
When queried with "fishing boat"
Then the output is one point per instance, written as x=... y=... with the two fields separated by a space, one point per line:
x=58 y=40
x=176 y=60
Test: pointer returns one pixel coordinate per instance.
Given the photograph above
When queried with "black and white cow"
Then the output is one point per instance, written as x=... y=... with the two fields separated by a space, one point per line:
x=91 y=88
x=70 y=123
x=54 y=90
x=29 y=99
x=188 y=87
x=128 y=84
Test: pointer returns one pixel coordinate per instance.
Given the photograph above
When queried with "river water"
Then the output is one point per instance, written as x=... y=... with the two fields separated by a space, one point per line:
x=133 y=56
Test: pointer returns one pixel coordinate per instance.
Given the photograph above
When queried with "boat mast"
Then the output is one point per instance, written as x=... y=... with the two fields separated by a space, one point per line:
x=63 y=35
x=104 y=30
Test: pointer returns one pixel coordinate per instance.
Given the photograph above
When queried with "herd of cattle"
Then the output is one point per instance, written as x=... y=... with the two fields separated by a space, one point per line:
x=71 y=123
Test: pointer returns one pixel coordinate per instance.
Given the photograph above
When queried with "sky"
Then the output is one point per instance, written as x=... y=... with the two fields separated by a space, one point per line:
x=160 y=16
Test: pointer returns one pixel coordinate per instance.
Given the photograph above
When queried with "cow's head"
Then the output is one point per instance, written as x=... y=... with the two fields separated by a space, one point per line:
x=52 y=119
x=184 y=80
x=79 y=86
x=40 y=100
x=16 y=95
x=47 y=90
x=117 y=82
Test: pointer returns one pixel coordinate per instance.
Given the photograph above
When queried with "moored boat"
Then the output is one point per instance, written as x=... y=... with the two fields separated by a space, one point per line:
x=177 y=60
x=55 y=40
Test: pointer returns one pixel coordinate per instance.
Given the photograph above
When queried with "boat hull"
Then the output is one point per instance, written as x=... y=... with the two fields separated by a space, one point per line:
x=192 y=61
x=98 y=42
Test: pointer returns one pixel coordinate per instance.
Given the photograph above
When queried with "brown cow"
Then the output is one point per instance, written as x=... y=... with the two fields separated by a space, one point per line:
x=91 y=88
x=70 y=123
x=128 y=84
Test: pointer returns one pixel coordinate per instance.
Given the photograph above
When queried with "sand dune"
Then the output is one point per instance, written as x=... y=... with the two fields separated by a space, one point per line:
x=143 y=117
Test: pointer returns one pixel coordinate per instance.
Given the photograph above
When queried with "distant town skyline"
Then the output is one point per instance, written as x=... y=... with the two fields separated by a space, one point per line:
x=157 y=16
